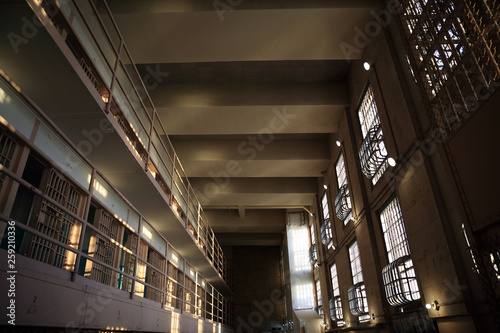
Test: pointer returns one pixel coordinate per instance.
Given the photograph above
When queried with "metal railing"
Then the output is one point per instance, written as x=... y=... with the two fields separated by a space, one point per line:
x=75 y=252
x=96 y=42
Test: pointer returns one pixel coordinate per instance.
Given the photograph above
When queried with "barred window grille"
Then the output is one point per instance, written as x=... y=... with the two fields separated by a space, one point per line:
x=335 y=303
x=326 y=228
x=342 y=200
x=400 y=282
x=453 y=50
x=318 y=293
x=372 y=153
x=313 y=255
x=343 y=204
x=357 y=299
x=313 y=238
x=326 y=233
x=319 y=310
x=356 y=293
x=399 y=276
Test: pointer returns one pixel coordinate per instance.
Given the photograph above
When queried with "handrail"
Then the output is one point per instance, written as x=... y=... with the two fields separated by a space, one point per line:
x=179 y=188
x=87 y=191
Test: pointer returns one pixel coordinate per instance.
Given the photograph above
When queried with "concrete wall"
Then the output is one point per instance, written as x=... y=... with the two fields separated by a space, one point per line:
x=257 y=291
x=42 y=291
x=433 y=209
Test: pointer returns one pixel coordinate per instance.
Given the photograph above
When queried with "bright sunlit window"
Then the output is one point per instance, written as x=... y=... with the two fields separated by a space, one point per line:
x=336 y=302
x=357 y=294
x=373 y=153
x=326 y=227
x=343 y=208
x=399 y=276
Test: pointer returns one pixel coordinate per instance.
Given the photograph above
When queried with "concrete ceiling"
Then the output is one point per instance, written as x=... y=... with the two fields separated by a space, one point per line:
x=249 y=93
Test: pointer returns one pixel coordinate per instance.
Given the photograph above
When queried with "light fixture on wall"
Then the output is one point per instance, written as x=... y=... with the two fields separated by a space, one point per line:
x=338 y=143
x=434 y=305
x=367 y=66
x=391 y=161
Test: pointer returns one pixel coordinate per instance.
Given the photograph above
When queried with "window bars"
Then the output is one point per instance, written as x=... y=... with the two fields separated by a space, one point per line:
x=326 y=232
x=400 y=282
x=399 y=276
x=343 y=199
x=357 y=299
x=318 y=293
x=453 y=48
x=356 y=293
x=7 y=147
x=313 y=255
x=326 y=227
x=319 y=310
x=335 y=303
x=343 y=203
x=372 y=153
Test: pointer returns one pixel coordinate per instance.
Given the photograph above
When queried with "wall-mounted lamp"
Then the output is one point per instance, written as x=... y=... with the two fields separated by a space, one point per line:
x=391 y=161
x=434 y=305
x=338 y=143
x=367 y=66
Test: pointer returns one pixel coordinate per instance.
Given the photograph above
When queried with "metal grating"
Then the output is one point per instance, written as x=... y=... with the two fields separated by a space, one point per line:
x=103 y=249
x=335 y=305
x=56 y=224
x=396 y=242
x=326 y=232
x=343 y=203
x=372 y=153
x=400 y=282
x=453 y=48
x=356 y=271
x=7 y=147
x=343 y=199
x=313 y=255
x=357 y=299
x=336 y=302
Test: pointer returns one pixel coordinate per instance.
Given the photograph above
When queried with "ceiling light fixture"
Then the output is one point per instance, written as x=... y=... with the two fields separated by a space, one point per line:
x=366 y=66
x=338 y=143
x=391 y=161
x=325 y=186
